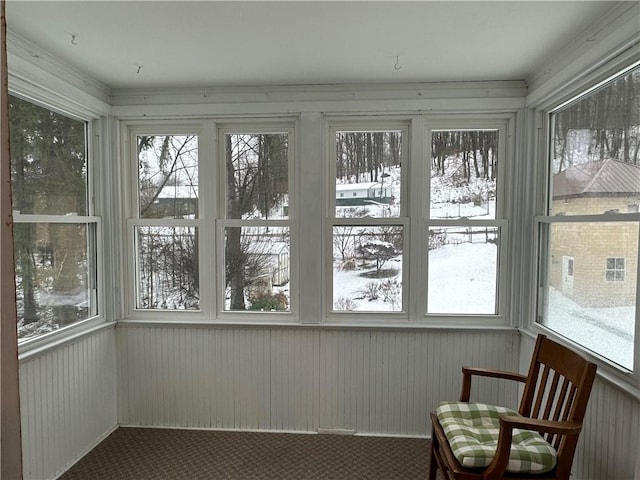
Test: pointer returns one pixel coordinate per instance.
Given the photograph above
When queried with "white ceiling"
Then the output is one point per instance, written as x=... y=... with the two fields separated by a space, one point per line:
x=164 y=44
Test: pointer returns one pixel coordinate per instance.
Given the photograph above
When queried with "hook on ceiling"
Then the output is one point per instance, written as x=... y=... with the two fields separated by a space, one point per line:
x=74 y=39
x=397 y=64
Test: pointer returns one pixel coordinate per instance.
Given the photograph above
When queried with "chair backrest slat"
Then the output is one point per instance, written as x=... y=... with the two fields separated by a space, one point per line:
x=541 y=388
x=550 y=395
x=562 y=401
x=569 y=403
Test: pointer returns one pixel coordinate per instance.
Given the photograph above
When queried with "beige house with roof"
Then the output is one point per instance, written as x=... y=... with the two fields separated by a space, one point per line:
x=598 y=267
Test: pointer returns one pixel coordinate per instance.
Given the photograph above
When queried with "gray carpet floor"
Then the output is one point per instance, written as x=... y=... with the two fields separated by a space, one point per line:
x=150 y=453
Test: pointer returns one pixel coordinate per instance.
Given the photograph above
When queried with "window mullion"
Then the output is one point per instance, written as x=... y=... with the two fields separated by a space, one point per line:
x=416 y=180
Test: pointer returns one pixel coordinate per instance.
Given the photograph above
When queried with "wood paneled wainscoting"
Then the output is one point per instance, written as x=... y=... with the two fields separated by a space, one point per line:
x=300 y=378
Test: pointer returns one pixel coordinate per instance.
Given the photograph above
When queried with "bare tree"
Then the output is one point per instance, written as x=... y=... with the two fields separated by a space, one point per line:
x=257 y=181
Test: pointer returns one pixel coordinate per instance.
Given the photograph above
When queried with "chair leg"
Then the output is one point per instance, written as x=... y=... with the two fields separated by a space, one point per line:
x=433 y=463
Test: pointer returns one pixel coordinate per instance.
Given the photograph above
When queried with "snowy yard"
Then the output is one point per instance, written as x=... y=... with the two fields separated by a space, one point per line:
x=606 y=331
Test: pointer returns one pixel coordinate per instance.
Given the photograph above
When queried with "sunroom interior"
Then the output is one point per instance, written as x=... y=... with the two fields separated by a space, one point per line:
x=308 y=216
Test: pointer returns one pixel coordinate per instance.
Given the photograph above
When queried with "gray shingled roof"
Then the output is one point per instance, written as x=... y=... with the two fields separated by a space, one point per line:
x=597 y=178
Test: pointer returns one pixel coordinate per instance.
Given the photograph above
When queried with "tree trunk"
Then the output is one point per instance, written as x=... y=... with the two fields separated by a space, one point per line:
x=233 y=250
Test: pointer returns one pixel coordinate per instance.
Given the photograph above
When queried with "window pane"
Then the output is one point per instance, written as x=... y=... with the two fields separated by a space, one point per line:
x=368 y=174
x=463 y=269
x=257 y=178
x=595 y=151
x=48 y=161
x=167 y=268
x=464 y=166
x=55 y=275
x=257 y=268
x=168 y=176
x=367 y=268
x=592 y=305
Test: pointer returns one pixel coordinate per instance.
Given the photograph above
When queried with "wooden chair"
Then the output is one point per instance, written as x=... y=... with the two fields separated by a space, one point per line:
x=553 y=403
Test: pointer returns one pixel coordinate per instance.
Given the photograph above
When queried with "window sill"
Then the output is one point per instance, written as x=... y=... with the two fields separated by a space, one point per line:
x=329 y=325
x=45 y=343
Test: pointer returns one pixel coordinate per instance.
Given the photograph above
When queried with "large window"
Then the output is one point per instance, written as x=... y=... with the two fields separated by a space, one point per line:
x=589 y=237
x=256 y=229
x=414 y=221
x=368 y=224
x=375 y=203
x=55 y=233
x=200 y=217
x=464 y=218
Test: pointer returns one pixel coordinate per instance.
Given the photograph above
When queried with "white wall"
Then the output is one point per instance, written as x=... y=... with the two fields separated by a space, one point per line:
x=68 y=402
x=373 y=381
x=284 y=379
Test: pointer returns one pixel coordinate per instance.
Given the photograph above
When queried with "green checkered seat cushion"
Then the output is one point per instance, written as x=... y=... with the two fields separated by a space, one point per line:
x=472 y=431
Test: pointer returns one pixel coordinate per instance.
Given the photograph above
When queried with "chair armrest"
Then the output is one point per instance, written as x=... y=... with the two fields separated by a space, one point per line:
x=498 y=465
x=539 y=425
x=469 y=372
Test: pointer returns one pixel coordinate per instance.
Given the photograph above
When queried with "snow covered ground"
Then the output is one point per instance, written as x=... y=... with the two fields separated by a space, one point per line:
x=606 y=331
x=462 y=279
x=352 y=285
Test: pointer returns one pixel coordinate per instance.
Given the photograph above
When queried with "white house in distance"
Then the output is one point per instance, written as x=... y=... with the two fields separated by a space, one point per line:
x=348 y=194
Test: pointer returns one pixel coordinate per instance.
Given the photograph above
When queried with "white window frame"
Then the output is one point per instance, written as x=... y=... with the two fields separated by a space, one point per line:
x=504 y=125
x=129 y=132
x=623 y=378
x=414 y=217
x=255 y=126
x=367 y=124
x=94 y=155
